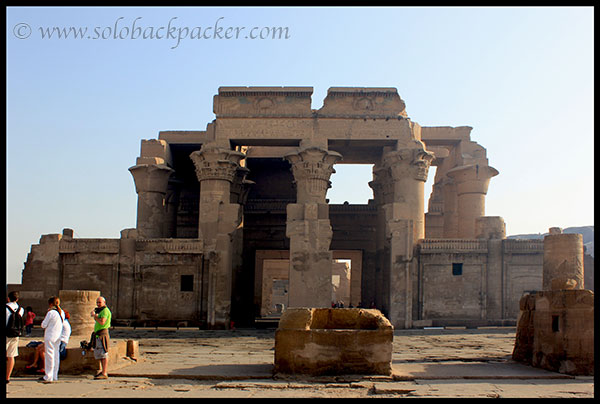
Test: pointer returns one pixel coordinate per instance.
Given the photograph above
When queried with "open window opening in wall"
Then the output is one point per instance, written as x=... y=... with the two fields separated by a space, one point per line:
x=350 y=184
x=554 y=323
x=457 y=268
x=187 y=283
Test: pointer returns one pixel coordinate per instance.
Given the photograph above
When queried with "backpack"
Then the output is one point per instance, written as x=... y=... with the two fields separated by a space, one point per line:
x=15 y=325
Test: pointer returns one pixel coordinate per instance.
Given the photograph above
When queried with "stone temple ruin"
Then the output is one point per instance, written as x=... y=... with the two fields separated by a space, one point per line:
x=233 y=224
x=555 y=330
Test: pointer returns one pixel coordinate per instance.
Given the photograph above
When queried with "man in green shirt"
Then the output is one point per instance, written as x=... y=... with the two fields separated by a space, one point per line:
x=102 y=316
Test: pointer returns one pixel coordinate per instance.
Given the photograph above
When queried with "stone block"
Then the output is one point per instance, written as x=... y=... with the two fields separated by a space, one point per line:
x=133 y=348
x=320 y=341
x=555 y=331
x=263 y=101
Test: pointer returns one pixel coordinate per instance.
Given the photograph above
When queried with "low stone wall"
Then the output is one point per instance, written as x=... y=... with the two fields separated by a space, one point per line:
x=317 y=341
x=77 y=364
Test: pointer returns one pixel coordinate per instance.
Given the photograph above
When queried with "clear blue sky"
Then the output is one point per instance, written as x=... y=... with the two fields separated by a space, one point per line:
x=77 y=109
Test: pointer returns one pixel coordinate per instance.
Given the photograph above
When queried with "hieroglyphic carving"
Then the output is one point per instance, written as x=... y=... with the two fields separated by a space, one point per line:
x=245 y=128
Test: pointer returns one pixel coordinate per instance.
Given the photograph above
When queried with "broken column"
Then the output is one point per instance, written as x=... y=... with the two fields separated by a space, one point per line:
x=151 y=186
x=555 y=330
x=216 y=168
x=490 y=228
x=309 y=229
x=434 y=218
x=79 y=304
x=472 y=182
x=563 y=260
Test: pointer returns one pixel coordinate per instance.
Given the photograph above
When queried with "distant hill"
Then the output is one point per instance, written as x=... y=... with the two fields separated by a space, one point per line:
x=586 y=231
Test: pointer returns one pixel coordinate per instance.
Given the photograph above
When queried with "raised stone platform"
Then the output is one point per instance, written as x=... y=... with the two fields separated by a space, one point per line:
x=322 y=341
x=77 y=364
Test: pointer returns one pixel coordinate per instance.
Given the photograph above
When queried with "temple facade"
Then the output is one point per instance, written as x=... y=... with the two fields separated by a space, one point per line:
x=233 y=223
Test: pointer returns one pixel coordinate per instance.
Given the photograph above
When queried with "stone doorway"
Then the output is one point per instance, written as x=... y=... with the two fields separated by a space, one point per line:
x=272 y=280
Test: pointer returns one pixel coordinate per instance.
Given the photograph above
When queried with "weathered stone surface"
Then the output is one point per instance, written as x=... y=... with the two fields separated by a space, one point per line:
x=79 y=304
x=257 y=179
x=563 y=261
x=556 y=331
x=556 y=327
x=333 y=341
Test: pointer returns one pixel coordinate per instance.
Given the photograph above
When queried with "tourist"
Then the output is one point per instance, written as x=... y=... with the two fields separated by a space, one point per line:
x=12 y=338
x=53 y=327
x=38 y=363
x=64 y=337
x=102 y=316
x=29 y=316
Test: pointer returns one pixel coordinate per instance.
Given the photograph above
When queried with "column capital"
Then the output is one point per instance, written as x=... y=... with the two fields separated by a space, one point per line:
x=312 y=167
x=216 y=163
x=411 y=162
x=151 y=177
x=383 y=190
x=473 y=178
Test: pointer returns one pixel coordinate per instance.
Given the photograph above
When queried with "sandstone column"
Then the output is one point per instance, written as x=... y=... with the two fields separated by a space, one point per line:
x=408 y=168
x=472 y=183
x=450 y=214
x=492 y=229
x=374 y=279
x=434 y=218
x=216 y=169
x=171 y=205
x=404 y=225
x=563 y=261
x=79 y=304
x=151 y=186
x=309 y=229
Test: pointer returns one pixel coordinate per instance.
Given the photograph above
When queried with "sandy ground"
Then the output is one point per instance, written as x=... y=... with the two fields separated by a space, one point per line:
x=192 y=363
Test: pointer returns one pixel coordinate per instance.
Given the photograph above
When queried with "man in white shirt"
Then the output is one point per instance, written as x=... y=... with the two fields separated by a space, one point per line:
x=65 y=335
x=12 y=344
x=53 y=328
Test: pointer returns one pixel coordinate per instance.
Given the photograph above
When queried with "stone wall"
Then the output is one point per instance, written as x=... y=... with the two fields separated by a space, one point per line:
x=475 y=282
x=141 y=280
